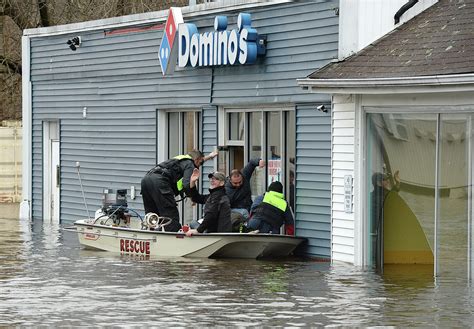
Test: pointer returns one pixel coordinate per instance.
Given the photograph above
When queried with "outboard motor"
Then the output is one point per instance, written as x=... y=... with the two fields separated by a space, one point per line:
x=114 y=206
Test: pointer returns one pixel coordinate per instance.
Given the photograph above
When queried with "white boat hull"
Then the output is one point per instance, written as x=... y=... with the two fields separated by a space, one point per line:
x=176 y=244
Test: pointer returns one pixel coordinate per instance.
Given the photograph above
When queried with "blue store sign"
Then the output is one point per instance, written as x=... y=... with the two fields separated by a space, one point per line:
x=220 y=47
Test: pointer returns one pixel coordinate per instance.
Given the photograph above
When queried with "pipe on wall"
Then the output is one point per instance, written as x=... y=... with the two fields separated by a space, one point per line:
x=403 y=9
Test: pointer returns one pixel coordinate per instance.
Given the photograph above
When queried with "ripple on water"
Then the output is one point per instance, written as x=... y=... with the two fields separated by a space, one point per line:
x=47 y=279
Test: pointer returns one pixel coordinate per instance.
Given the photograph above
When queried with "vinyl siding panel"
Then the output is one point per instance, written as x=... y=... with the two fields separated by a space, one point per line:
x=118 y=79
x=343 y=155
x=209 y=141
x=301 y=37
x=313 y=178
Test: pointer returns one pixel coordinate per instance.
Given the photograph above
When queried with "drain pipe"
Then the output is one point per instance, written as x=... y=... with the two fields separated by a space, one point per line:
x=403 y=9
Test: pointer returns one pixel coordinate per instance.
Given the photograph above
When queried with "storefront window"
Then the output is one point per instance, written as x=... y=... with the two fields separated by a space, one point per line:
x=274 y=148
x=236 y=126
x=454 y=187
x=257 y=181
x=173 y=134
x=401 y=151
x=428 y=218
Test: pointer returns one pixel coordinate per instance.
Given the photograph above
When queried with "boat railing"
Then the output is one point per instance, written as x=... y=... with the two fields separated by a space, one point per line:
x=135 y=236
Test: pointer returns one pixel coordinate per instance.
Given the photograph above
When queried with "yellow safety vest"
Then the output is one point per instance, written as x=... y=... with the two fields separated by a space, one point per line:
x=179 y=183
x=275 y=199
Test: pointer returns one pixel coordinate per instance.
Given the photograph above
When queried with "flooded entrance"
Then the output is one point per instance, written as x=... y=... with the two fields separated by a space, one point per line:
x=419 y=190
x=46 y=278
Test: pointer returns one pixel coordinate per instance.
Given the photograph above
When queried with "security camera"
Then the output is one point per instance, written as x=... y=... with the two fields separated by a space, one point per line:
x=74 y=43
x=322 y=108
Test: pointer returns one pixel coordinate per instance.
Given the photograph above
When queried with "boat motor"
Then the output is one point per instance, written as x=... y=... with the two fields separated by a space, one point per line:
x=114 y=206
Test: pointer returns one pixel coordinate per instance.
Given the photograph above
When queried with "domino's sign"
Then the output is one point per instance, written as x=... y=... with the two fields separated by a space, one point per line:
x=182 y=43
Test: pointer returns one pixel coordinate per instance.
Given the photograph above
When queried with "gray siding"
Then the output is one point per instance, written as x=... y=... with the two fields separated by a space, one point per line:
x=119 y=80
x=301 y=37
x=209 y=140
x=313 y=178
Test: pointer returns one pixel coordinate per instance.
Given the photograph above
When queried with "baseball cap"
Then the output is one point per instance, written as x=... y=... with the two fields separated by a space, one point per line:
x=217 y=175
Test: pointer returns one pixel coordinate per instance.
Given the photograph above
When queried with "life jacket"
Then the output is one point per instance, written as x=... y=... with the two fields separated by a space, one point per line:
x=272 y=209
x=179 y=183
x=173 y=171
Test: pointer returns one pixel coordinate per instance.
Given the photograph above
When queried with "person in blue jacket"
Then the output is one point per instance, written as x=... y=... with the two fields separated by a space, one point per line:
x=270 y=211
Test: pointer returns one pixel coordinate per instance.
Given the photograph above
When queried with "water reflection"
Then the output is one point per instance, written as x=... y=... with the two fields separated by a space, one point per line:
x=47 y=279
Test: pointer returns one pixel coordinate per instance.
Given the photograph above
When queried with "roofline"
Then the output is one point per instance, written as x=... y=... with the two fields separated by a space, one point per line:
x=434 y=83
x=151 y=17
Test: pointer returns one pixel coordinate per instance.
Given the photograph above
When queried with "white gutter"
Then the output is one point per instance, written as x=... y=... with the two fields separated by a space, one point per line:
x=435 y=83
x=25 y=205
x=204 y=9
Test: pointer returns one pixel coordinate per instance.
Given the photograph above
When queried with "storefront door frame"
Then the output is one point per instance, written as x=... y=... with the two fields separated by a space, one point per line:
x=245 y=143
x=163 y=141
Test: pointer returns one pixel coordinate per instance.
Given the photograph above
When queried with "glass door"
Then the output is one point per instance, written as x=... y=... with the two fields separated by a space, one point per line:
x=183 y=137
x=265 y=134
x=256 y=150
x=401 y=171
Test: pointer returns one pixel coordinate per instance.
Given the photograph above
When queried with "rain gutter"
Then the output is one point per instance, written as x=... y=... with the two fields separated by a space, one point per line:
x=205 y=9
x=435 y=83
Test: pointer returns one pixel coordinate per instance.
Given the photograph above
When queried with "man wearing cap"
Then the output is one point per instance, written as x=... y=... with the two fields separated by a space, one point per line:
x=270 y=211
x=168 y=179
x=216 y=204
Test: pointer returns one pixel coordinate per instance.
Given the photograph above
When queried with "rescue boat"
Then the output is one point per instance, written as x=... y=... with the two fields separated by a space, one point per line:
x=137 y=241
x=117 y=228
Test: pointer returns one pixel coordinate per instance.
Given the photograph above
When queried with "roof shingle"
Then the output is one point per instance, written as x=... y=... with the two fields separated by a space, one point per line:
x=438 y=41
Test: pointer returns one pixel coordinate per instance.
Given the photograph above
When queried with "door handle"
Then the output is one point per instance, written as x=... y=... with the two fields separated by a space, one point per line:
x=58 y=176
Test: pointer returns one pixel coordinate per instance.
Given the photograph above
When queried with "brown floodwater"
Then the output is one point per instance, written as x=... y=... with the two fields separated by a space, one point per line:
x=46 y=278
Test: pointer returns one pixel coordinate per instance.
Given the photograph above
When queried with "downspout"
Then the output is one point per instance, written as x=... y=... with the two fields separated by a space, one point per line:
x=404 y=9
x=25 y=205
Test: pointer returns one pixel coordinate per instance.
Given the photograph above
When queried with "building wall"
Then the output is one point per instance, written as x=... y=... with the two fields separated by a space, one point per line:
x=115 y=76
x=118 y=80
x=208 y=138
x=343 y=163
x=300 y=38
x=313 y=177
x=364 y=21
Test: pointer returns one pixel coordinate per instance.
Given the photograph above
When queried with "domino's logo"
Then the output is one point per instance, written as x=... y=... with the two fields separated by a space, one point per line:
x=183 y=44
x=168 y=51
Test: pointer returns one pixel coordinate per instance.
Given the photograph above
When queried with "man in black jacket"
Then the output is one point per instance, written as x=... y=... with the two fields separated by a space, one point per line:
x=216 y=205
x=238 y=187
x=167 y=180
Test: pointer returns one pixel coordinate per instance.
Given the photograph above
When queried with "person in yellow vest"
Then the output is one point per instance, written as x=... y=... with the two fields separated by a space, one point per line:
x=270 y=211
x=168 y=179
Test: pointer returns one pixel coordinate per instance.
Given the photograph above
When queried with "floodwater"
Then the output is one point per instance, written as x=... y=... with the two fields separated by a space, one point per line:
x=47 y=279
